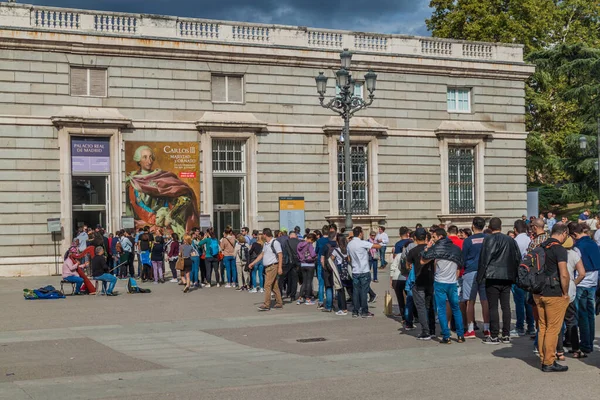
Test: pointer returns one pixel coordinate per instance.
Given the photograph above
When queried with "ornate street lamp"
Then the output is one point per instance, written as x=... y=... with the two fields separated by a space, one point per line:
x=346 y=104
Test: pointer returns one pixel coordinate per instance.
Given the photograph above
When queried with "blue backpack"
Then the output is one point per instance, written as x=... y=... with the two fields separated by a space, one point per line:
x=214 y=247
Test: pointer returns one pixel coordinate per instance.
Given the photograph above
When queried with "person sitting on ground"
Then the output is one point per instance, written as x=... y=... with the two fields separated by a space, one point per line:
x=101 y=272
x=69 y=272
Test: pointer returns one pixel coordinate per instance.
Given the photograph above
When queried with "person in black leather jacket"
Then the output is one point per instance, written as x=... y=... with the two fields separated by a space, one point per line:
x=444 y=249
x=448 y=261
x=498 y=263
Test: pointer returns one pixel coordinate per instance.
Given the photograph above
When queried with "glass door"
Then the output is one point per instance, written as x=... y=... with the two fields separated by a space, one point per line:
x=90 y=199
x=228 y=194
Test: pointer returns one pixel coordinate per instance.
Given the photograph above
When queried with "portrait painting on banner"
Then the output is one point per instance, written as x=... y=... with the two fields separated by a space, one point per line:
x=163 y=185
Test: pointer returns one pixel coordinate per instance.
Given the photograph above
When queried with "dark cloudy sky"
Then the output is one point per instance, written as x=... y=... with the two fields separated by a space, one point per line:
x=385 y=16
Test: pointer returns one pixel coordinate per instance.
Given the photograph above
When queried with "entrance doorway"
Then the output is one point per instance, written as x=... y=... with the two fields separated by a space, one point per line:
x=91 y=201
x=228 y=203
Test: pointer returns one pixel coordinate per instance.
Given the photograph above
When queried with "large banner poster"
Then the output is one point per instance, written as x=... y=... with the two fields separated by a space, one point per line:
x=163 y=185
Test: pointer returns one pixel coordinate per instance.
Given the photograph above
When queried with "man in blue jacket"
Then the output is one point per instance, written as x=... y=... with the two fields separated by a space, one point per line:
x=471 y=250
x=586 y=290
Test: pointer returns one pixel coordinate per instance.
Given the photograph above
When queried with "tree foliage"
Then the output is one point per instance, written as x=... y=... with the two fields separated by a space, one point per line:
x=562 y=97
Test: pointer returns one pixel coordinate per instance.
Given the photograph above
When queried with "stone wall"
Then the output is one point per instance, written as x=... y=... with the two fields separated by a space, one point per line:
x=163 y=86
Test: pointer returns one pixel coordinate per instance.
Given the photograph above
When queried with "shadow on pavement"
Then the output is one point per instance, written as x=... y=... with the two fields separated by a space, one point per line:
x=519 y=353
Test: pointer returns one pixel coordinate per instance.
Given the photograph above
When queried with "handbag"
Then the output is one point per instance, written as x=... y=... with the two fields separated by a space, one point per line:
x=337 y=281
x=220 y=256
x=180 y=263
x=387 y=303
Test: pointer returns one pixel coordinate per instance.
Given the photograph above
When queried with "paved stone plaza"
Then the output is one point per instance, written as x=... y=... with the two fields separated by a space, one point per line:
x=213 y=344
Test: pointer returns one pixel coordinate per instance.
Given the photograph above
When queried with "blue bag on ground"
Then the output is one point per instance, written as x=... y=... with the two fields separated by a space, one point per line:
x=43 y=293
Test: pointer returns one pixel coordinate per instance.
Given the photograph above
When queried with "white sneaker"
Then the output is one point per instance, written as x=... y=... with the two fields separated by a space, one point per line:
x=207 y=285
x=262 y=290
x=218 y=285
x=341 y=312
x=173 y=280
x=253 y=290
x=228 y=285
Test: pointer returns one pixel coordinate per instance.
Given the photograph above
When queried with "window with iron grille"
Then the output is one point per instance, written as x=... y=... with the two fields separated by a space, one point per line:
x=360 y=187
x=90 y=82
x=228 y=156
x=461 y=180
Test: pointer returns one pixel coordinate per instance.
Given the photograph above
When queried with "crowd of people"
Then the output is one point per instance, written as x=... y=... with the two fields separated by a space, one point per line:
x=437 y=274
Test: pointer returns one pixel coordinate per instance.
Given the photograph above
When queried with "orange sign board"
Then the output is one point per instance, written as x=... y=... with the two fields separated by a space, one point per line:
x=291 y=204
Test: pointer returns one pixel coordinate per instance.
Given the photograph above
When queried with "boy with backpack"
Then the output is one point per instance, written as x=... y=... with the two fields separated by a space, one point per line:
x=242 y=255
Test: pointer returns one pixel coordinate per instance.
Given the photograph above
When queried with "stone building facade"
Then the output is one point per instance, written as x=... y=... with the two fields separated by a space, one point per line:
x=443 y=141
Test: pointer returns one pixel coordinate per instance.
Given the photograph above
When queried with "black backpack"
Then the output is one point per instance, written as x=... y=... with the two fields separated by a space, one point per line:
x=243 y=253
x=532 y=275
x=291 y=255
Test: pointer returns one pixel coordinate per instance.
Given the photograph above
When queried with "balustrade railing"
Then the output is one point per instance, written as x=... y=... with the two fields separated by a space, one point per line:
x=155 y=26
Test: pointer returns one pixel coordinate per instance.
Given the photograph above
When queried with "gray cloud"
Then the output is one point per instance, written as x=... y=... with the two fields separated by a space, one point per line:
x=385 y=16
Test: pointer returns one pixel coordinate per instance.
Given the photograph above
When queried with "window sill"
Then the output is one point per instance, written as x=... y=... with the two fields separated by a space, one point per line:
x=461 y=220
x=358 y=220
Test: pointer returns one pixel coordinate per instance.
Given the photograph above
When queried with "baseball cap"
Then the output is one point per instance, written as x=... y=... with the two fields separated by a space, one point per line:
x=568 y=244
x=420 y=234
x=282 y=229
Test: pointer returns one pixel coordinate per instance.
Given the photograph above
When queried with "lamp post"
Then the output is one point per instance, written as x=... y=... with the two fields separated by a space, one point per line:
x=346 y=104
x=583 y=143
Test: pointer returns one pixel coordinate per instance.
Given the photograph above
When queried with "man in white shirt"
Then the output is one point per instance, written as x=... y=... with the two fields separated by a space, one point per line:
x=358 y=251
x=272 y=257
x=383 y=239
x=523 y=310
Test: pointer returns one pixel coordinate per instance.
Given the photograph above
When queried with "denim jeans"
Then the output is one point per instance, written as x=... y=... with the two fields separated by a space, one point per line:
x=139 y=271
x=112 y=281
x=76 y=280
x=360 y=290
x=230 y=267
x=321 y=281
x=373 y=266
x=522 y=309
x=328 y=298
x=409 y=309
x=449 y=292
x=586 y=311
x=195 y=269
x=382 y=255
x=257 y=275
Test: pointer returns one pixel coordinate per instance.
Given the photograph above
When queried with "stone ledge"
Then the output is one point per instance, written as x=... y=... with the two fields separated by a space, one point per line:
x=471 y=129
x=230 y=121
x=358 y=125
x=372 y=221
x=461 y=220
x=70 y=115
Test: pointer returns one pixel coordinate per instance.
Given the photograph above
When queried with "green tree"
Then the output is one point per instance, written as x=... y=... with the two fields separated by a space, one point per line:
x=579 y=67
x=559 y=102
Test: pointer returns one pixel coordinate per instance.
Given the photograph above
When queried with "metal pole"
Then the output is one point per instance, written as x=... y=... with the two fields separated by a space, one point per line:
x=348 y=171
